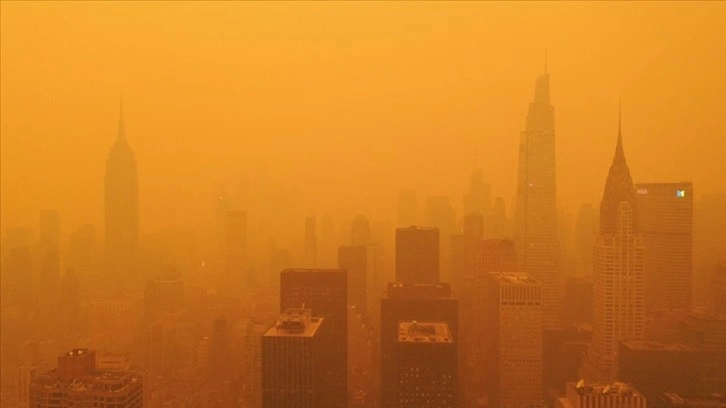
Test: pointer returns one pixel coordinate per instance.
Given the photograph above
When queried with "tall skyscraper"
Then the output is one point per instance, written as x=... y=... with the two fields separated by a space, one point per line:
x=409 y=302
x=536 y=210
x=360 y=262
x=417 y=255
x=49 y=248
x=122 y=204
x=77 y=381
x=665 y=218
x=235 y=247
x=360 y=232
x=585 y=231
x=497 y=223
x=325 y=292
x=479 y=197
x=295 y=362
x=407 y=208
x=311 y=243
x=513 y=343
x=427 y=366
x=618 y=263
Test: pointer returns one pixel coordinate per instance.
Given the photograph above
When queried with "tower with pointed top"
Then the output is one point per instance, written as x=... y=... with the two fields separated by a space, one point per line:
x=536 y=211
x=121 y=203
x=618 y=273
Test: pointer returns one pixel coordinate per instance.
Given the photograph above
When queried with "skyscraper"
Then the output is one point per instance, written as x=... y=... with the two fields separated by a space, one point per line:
x=407 y=208
x=665 y=217
x=479 y=197
x=235 y=243
x=49 y=246
x=618 y=287
x=417 y=255
x=513 y=343
x=325 y=292
x=408 y=302
x=295 y=362
x=426 y=362
x=359 y=261
x=121 y=204
x=536 y=210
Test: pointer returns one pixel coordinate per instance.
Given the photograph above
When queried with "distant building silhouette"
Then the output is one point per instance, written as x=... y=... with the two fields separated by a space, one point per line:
x=49 y=252
x=618 y=276
x=235 y=246
x=407 y=208
x=121 y=206
x=707 y=332
x=295 y=362
x=513 y=340
x=536 y=209
x=426 y=362
x=665 y=218
x=311 y=243
x=163 y=295
x=497 y=225
x=360 y=262
x=77 y=381
x=417 y=255
x=361 y=231
x=479 y=197
x=82 y=250
x=585 y=231
x=325 y=292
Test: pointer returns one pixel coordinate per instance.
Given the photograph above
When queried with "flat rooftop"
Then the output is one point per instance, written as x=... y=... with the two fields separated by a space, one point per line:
x=295 y=323
x=424 y=332
x=616 y=388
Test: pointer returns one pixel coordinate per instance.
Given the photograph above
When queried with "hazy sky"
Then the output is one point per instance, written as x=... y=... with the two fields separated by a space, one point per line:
x=344 y=103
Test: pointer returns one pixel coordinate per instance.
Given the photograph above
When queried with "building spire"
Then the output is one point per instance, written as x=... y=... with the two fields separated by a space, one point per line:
x=619 y=152
x=121 y=128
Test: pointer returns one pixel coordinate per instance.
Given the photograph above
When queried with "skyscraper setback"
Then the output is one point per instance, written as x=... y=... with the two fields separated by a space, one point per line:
x=536 y=210
x=618 y=263
x=122 y=203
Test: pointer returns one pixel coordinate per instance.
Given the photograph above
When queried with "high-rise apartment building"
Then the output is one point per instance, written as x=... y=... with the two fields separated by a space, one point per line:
x=665 y=218
x=78 y=382
x=426 y=374
x=513 y=344
x=536 y=209
x=618 y=275
x=295 y=363
x=325 y=291
x=417 y=255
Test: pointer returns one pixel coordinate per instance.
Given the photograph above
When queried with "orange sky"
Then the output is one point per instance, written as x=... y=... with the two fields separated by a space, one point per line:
x=337 y=105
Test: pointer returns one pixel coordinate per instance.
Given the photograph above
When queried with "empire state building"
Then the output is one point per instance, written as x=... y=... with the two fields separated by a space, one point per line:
x=121 y=203
x=536 y=211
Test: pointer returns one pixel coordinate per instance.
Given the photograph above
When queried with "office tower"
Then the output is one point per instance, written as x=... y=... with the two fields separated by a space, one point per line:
x=82 y=250
x=513 y=321
x=563 y=351
x=70 y=302
x=709 y=244
x=616 y=395
x=17 y=278
x=439 y=214
x=618 y=273
x=360 y=262
x=655 y=367
x=408 y=302
x=474 y=225
x=464 y=249
x=707 y=333
x=311 y=243
x=479 y=197
x=361 y=231
x=251 y=377
x=295 y=362
x=427 y=366
x=536 y=210
x=235 y=243
x=407 y=208
x=497 y=224
x=26 y=375
x=164 y=295
x=49 y=252
x=577 y=302
x=325 y=291
x=77 y=381
x=494 y=255
x=585 y=231
x=220 y=367
x=417 y=255
x=121 y=205
x=665 y=218
x=719 y=303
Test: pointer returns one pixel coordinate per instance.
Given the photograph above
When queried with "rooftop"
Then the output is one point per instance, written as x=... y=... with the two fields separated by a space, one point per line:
x=295 y=323
x=652 y=345
x=513 y=277
x=424 y=332
x=616 y=388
